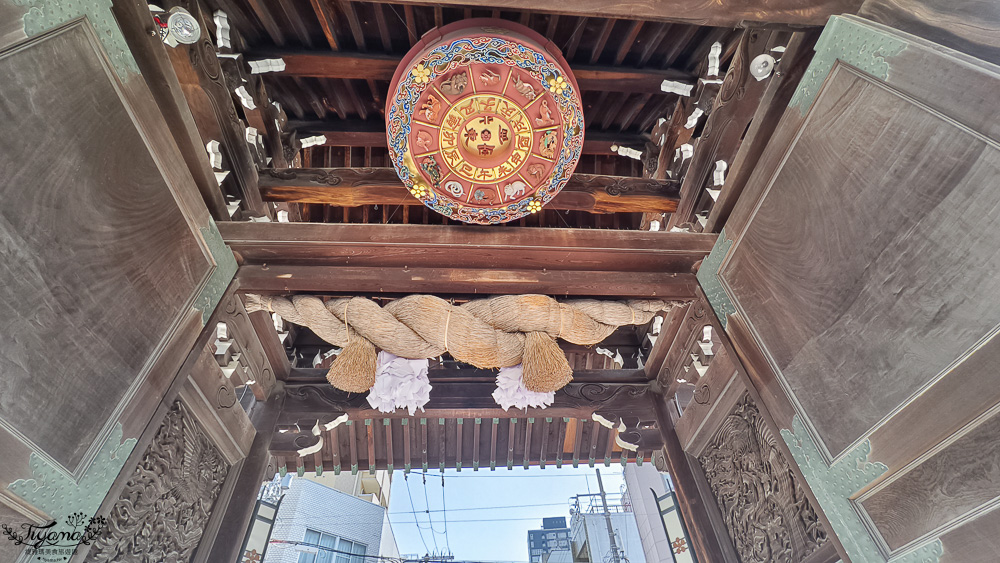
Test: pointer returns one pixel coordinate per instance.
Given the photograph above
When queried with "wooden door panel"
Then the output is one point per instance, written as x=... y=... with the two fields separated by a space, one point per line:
x=855 y=266
x=859 y=276
x=98 y=261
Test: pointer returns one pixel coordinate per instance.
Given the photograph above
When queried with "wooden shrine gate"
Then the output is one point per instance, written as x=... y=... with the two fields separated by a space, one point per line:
x=848 y=370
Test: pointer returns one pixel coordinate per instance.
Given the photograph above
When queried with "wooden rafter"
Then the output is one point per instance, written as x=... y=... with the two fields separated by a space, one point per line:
x=373 y=66
x=350 y=187
x=685 y=11
x=371 y=133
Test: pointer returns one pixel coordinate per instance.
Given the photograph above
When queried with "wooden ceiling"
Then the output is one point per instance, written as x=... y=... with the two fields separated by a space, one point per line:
x=339 y=57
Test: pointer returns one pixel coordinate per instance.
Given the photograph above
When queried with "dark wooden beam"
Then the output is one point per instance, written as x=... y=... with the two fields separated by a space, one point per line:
x=352 y=187
x=458 y=443
x=576 y=441
x=371 y=133
x=493 y=442
x=475 y=444
x=462 y=281
x=697 y=12
x=729 y=118
x=494 y=248
x=705 y=541
x=365 y=66
x=407 y=452
x=511 y=433
x=204 y=84
x=780 y=88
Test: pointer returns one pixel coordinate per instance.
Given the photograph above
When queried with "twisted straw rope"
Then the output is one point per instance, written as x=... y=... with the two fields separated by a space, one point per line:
x=486 y=333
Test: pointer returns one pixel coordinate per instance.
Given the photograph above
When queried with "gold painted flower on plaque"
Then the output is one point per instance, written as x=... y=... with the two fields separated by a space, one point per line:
x=421 y=74
x=557 y=85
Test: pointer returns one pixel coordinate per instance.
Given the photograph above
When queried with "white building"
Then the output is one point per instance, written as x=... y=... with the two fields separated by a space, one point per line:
x=351 y=523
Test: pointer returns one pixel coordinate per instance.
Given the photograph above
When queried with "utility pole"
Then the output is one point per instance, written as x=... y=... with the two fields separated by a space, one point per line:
x=615 y=556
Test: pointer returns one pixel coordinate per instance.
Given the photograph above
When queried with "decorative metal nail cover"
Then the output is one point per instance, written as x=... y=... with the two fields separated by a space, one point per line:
x=484 y=121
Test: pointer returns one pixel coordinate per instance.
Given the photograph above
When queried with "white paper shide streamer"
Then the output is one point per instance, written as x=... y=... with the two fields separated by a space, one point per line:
x=511 y=392
x=400 y=383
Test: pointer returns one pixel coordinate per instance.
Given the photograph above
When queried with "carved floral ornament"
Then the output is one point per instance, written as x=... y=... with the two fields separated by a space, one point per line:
x=484 y=121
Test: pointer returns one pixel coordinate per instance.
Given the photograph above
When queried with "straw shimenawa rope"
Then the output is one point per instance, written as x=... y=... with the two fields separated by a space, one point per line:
x=487 y=333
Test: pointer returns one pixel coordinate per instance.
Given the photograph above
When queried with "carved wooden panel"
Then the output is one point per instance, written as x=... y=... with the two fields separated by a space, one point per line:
x=161 y=513
x=98 y=261
x=763 y=504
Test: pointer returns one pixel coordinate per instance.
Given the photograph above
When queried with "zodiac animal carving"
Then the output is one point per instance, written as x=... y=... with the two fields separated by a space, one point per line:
x=524 y=88
x=455 y=85
x=489 y=78
x=431 y=108
x=547 y=147
x=424 y=141
x=544 y=118
x=514 y=189
x=454 y=188
x=536 y=170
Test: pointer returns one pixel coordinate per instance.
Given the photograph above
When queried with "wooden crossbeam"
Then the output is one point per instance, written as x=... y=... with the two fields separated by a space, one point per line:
x=695 y=12
x=371 y=133
x=352 y=187
x=463 y=281
x=363 y=66
x=435 y=246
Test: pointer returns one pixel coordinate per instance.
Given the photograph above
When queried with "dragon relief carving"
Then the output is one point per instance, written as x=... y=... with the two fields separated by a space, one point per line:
x=765 y=508
x=162 y=511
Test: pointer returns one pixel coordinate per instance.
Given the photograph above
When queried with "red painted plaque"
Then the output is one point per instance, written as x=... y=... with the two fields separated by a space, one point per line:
x=484 y=121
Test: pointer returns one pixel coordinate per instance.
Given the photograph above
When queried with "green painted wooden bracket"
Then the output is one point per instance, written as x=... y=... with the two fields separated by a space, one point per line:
x=854 y=42
x=43 y=15
x=225 y=269
x=834 y=485
x=57 y=494
x=711 y=284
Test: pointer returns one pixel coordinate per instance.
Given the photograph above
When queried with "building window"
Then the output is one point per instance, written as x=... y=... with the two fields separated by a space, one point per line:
x=339 y=550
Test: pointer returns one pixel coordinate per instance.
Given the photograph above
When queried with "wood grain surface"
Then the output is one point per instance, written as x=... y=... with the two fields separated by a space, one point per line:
x=960 y=478
x=852 y=270
x=970 y=26
x=98 y=260
x=701 y=12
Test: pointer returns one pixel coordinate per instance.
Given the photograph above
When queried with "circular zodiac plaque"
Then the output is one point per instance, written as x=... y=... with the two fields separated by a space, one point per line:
x=484 y=121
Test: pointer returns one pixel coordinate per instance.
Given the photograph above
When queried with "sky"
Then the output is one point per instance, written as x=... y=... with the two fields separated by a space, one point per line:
x=488 y=513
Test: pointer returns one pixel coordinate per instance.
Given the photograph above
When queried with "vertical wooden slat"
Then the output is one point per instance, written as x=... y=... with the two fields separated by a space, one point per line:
x=411 y=24
x=574 y=40
x=388 y=443
x=354 y=446
x=546 y=428
x=444 y=442
x=595 y=433
x=318 y=462
x=527 y=441
x=602 y=40
x=438 y=16
x=423 y=443
x=355 y=25
x=512 y=432
x=475 y=445
x=334 y=437
x=371 y=446
x=550 y=29
x=609 y=448
x=383 y=28
x=458 y=445
x=576 y=442
x=562 y=425
x=322 y=9
x=628 y=41
x=493 y=444
x=407 y=459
